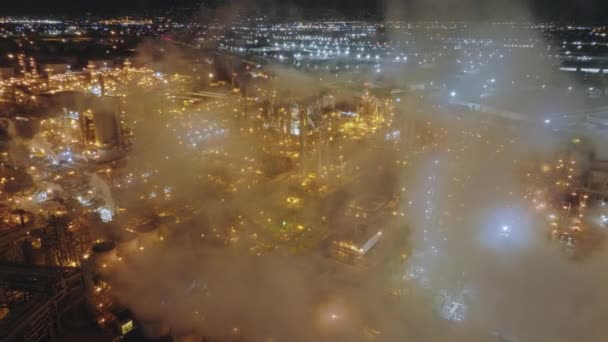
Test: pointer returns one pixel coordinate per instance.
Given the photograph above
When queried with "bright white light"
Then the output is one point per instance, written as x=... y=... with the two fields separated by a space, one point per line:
x=105 y=214
x=83 y=201
x=41 y=196
x=453 y=94
x=96 y=90
x=505 y=231
x=547 y=121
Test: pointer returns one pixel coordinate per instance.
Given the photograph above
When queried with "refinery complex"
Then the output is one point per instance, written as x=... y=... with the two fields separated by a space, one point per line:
x=300 y=180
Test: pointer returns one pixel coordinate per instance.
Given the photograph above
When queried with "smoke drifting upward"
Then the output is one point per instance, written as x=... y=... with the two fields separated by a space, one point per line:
x=225 y=294
x=473 y=232
x=40 y=143
x=479 y=268
x=102 y=190
x=477 y=241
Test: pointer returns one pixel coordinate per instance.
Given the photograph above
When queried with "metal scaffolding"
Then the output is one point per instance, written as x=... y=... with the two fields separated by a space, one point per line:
x=37 y=297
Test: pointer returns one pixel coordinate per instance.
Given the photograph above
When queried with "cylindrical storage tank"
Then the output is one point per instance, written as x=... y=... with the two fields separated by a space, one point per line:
x=126 y=243
x=148 y=233
x=104 y=255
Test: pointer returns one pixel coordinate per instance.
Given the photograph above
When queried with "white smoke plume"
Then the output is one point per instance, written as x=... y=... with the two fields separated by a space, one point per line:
x=102 y=189
x=39 y=142
x=476 y=266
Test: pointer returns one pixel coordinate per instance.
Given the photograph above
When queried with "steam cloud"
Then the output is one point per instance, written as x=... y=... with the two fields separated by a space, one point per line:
x=459 y=201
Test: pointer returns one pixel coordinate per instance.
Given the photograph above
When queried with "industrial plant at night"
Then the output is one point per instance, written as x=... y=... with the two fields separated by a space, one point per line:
x=215 y=172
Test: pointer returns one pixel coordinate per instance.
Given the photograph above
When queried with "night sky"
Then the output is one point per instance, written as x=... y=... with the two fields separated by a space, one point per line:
x=595 y=11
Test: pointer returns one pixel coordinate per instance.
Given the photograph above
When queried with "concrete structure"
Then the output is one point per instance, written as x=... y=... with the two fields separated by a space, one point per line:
x=107 y=130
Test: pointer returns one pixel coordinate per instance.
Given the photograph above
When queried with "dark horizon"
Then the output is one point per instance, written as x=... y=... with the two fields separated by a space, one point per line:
x=589 y=11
